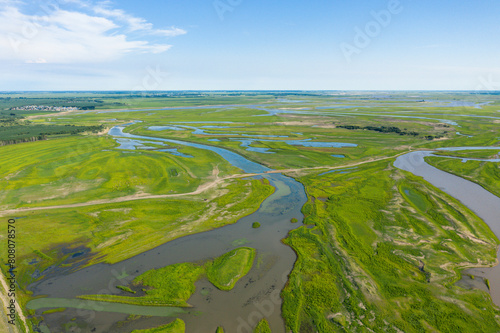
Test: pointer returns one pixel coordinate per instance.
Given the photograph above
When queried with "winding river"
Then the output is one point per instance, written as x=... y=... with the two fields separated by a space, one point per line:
x=257 y=294
x=485 y=204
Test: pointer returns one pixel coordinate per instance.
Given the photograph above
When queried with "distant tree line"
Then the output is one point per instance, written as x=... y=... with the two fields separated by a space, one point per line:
x=26 y=132
x=21 y=140
x=8 y=121
x=381 y=129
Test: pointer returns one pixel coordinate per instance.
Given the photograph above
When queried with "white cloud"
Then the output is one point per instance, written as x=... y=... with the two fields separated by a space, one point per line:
x=170 y=32
x=74 y=36
x=37 y=61
x=135 y=23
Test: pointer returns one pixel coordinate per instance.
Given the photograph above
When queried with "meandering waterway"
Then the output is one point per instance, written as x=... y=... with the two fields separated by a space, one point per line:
x=255 y=296
x=485 y=204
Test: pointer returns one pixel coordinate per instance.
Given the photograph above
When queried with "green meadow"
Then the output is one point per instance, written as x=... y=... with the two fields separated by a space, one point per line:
x=380 y=249
x=173 y=285
x=168 y=286
x=84 y=168
x=481 y=154
x=117 y=231
x=383 y=251
x=227 y=269
x=486 y=174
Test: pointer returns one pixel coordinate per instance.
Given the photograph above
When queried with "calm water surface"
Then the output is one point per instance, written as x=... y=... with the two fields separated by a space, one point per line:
x=485 y=204
x=254 y=297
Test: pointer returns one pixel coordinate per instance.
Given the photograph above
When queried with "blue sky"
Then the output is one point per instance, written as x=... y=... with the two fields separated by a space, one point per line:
x=243 y=44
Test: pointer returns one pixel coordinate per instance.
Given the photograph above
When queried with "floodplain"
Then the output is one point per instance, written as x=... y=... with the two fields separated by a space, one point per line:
x=157 y=209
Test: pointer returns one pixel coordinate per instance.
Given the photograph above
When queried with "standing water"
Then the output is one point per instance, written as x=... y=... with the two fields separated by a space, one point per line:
x=254 y=297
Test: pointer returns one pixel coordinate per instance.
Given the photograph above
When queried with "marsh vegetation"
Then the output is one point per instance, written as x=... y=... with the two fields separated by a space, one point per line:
x=379 y=248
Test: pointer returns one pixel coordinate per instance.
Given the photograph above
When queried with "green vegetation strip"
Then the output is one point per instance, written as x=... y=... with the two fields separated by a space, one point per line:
x=173 y=285
x=168 y=286
x=177 y=326
x=483 y=173
x=227 y=269
x=385 y=257
x=262 y=327
x=127 y=289
x=54 y=310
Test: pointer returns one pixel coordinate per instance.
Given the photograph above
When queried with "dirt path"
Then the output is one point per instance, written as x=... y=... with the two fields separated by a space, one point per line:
x=140 y=196
x=202 y=188
x=371 y=160
x=5 y=304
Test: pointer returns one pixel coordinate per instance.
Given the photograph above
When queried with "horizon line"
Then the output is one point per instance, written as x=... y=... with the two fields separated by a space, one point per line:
x=251 y=90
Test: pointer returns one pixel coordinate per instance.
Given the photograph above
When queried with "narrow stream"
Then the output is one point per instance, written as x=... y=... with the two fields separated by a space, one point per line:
x=254 y=297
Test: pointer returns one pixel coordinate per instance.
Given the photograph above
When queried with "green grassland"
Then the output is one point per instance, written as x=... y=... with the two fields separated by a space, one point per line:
x=289 y=156
x=384 y=253
x=120 y=100
x=84 y=168
x=322 y=126
x=226 y=270
x=177 y=326
x=381 y=250
x=486 y=174
x=78 y=169
x=484 y=154
x=114 y=232
x=173 y=285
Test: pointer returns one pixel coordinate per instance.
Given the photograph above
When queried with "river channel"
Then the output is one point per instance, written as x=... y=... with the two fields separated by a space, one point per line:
x=255 y=296
x=485 y=204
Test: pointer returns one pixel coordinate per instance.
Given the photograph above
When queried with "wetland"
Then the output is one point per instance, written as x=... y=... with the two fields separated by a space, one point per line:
x=151 y=224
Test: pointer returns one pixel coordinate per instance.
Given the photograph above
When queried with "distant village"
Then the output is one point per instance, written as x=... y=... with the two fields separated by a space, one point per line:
x=45 y=108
